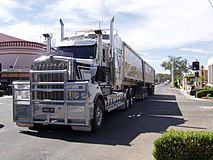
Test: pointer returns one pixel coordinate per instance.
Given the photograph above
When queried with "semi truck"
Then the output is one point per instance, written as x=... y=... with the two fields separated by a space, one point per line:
x=90 y=74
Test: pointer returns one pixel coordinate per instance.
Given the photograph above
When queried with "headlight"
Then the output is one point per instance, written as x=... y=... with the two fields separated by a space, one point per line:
x=22 y=95
x=79 y=95
x=83 y=96
x=76 y=95
x=26 y=94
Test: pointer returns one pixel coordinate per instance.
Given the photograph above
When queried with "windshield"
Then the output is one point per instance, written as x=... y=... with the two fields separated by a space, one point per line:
x=86 y=52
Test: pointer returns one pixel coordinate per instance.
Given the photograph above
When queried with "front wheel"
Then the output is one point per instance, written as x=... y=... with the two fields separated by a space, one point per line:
x=98 y=119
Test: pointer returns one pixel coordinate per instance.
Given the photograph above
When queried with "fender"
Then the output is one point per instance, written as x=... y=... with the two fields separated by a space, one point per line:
x=95 y=92
x=99 y=95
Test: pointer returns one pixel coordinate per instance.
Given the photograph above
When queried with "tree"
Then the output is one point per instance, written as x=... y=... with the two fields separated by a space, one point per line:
x=180 y=66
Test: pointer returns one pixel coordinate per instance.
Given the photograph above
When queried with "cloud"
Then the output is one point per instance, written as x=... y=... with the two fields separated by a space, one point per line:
x=31 y=32
x=168 y=24
x=76 y=10
x=142 y=24
x=145 y=25
x=163 y=24
x=6 y=8
x=196 y=50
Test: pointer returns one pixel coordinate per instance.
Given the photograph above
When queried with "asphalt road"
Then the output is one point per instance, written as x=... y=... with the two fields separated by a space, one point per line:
x=126 y=135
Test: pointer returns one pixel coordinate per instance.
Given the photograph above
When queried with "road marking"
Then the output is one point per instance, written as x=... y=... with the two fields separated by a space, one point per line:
x=135 y=115
x=206 y=107
x=2 y=130
x=1 y=103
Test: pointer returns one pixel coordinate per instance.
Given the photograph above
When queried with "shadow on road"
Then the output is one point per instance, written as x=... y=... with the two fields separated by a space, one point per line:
x=153 y=115
x=1 y=126
x=164 y=97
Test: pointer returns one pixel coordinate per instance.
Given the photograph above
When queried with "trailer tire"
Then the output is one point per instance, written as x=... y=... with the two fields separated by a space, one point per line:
x=130 y=98
x=126 y=100
x=36 y=127
x=98 y=119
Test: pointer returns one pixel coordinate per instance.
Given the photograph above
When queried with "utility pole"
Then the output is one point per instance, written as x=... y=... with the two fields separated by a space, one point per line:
x=172 y=72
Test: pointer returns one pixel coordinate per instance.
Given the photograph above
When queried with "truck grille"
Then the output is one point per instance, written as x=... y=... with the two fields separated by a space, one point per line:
x=55 y=65
x=50 y=77
x=50 y=88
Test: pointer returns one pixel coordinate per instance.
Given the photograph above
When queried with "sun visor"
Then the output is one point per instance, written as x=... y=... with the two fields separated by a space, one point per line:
x=77 y=43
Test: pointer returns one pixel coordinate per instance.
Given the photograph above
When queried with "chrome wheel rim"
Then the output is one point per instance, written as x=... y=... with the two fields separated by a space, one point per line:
x=131 y=101
x=99 y=116
x=127 y=103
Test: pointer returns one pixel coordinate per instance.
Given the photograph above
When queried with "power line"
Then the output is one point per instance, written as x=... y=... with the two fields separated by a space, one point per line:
x=210 y=3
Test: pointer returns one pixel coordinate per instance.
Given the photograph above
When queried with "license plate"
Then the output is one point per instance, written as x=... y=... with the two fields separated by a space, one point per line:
x=48 y=110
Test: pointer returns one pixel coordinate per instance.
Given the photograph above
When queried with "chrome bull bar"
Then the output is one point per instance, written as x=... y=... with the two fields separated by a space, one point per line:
x=41 y=101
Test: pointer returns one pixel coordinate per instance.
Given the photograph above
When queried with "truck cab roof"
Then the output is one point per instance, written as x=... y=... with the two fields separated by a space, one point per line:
x=85 y=37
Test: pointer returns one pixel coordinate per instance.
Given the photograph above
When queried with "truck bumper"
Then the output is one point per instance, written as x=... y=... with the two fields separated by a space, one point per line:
x=28 y=111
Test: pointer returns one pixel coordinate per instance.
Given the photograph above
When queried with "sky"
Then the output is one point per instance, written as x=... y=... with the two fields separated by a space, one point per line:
x=155 y=29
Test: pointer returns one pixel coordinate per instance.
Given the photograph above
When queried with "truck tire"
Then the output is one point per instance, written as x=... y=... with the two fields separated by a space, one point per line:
x=130 y=98
x=98 y=119
x=153 y=89
x=126 y=100
x=36 y=127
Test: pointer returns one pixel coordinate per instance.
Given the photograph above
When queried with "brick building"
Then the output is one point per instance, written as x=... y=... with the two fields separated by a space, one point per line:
x=210 y=71
x=16 y=58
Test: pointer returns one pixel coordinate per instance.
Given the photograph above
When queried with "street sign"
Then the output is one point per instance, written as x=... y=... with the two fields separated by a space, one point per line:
x=164 y=75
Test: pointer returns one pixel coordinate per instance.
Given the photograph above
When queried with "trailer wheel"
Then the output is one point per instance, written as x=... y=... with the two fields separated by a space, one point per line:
x=126 y=100
x=98 y=119
x=130 y=98
x=36 y=127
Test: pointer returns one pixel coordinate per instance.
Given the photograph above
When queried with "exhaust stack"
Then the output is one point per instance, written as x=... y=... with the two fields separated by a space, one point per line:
x=112 y=53
x=48 y=38
x=111 y=34
x=62 y=29
x=100 y=48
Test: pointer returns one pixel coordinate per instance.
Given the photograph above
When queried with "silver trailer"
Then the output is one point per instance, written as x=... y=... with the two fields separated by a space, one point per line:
x=132 y=67
x=149 y=74
x=137 y=74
